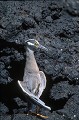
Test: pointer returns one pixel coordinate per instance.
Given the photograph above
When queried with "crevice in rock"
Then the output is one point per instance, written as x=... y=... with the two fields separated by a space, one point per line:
x=12 y=55
x=27 y=25
x=74 y=82
x=65 y=34
x=17 y=67
x=59 y=79
x=46 y=94
x=1 y=27
x=6 y=44
x=36 y=21
x=58 y=104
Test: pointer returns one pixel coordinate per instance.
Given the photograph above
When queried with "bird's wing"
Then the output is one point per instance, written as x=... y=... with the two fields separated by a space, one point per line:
x=23 y=86
x=42 y=84
x=32 y=98
x=43 y=79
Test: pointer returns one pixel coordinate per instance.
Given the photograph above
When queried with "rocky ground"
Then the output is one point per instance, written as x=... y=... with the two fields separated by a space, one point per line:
x=55 y=23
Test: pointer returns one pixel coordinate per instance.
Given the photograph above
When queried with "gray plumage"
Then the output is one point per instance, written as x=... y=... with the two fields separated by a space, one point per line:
x=34 y=80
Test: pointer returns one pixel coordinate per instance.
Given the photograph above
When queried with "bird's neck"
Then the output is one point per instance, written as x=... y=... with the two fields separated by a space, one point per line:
x=31 y=65
x=29 y=53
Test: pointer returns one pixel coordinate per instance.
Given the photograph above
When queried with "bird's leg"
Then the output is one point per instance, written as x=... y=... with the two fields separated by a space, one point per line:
x=30 y=112
x=37 y=109
x=29 y=108
x=37 y=113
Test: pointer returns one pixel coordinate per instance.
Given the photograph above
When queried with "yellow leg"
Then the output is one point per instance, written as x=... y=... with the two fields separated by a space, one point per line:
x=38 y=115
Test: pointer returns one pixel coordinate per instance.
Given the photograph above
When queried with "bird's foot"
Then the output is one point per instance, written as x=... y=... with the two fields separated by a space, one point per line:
x=37 y=115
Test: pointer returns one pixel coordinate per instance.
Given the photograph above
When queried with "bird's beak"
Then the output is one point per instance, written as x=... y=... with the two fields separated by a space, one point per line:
x=42 y=48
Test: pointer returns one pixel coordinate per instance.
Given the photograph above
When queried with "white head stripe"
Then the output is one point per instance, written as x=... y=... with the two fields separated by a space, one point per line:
x=29 y=43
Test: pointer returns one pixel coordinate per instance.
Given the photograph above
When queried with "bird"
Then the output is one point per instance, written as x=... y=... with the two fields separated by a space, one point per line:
x=34 y=80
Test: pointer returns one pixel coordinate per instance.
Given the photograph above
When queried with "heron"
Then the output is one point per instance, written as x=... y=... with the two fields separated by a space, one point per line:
x=34 y=80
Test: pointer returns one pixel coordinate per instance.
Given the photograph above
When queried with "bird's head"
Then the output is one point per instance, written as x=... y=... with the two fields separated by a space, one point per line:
x=33 y=44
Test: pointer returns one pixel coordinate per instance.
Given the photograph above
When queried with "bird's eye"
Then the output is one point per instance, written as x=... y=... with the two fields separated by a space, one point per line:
x=36 y=43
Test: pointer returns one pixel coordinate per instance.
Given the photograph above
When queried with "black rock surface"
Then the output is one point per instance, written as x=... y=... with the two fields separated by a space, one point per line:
x=56 y=26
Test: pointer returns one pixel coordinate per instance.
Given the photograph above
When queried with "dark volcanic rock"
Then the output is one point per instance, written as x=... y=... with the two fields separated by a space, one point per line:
x=10 y=60
x=72 y=7
x=5 y=117
x=38 y=17
x=56 y=26
x=3 y=109
x=71 y=109
x=29 y=23
x=61 y=90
